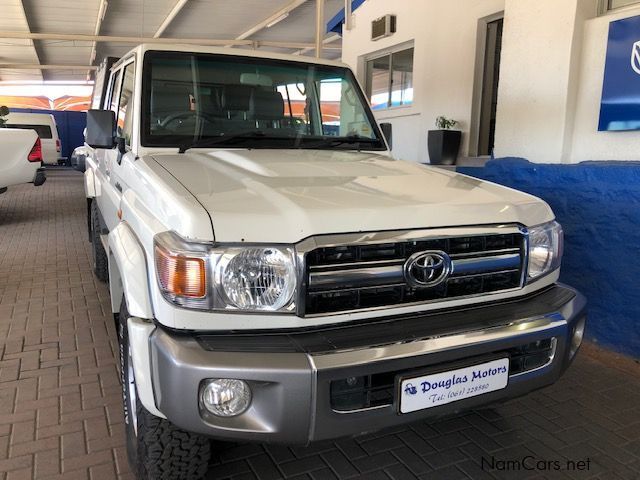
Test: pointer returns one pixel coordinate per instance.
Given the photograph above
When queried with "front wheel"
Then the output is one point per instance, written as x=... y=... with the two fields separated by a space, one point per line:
x=156 y=448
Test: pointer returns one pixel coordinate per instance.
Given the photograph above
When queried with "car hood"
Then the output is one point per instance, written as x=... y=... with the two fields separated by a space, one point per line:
x=284 y=196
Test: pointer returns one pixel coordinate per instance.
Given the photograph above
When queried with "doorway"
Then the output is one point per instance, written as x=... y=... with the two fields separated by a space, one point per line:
x=490 y=80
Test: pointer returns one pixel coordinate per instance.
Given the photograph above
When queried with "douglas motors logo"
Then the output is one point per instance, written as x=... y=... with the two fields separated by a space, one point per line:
x=635 y=57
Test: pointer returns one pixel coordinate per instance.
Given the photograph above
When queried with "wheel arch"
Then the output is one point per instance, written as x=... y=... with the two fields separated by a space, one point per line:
x=128 y=273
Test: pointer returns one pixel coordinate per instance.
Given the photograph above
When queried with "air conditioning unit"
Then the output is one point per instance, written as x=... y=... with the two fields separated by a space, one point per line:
x=383 y=27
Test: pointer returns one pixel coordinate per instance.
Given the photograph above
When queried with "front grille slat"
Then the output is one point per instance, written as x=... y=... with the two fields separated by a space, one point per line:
x=353 y=277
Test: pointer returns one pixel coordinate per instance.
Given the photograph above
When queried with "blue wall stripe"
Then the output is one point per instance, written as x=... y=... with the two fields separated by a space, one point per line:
x=598 y=205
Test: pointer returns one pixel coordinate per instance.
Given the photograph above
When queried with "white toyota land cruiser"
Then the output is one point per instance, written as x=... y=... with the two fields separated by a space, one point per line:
x=277 y=277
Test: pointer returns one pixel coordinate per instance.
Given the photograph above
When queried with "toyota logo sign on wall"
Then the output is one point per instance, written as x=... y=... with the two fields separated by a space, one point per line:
x=635 y=57
x=427 y=269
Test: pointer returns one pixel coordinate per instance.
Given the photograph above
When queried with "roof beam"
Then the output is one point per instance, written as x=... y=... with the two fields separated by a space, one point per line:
x=39 y=66
x=325 y=42
x=102 y=11
x=169 y=18
x=162 y=41
x=271 y=20
x=33 y=45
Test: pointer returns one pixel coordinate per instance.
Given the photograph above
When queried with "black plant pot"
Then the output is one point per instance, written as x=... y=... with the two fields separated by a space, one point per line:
x=443 y=146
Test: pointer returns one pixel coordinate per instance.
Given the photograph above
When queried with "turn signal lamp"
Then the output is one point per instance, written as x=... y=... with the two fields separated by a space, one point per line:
x=180 y=276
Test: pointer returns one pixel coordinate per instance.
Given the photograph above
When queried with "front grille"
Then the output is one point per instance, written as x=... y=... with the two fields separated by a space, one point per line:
x=353 y=277
x=377 y=390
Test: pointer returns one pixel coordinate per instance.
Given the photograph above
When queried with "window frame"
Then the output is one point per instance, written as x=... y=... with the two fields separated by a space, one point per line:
x=145 y=139
x=387 y=52
x=606 y=6
x=130 y=109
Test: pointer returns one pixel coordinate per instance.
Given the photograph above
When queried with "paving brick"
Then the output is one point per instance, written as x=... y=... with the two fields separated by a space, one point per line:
x=411 y=460
x=339 y=464
x=302 y=465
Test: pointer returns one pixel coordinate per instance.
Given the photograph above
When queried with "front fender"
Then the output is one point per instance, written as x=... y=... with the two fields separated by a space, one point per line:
x=128 y=272
x=89 y=184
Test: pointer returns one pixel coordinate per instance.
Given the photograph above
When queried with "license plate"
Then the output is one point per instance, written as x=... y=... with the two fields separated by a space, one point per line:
x=418 y=393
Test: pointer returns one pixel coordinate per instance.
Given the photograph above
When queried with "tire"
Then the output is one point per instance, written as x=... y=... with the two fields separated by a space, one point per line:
x=100 y=260
x=156 y=448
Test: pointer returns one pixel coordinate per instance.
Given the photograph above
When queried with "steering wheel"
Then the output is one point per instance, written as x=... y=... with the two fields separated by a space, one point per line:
x=185 y=115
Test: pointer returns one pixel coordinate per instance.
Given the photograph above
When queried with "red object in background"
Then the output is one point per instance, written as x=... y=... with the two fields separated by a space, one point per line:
x=58 y=145
x=79 y=104
x=35 y=155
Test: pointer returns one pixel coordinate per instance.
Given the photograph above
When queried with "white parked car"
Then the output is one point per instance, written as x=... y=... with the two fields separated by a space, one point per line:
x=44 y=124
x=277 y=277
x=78 y=157
x=21 y=158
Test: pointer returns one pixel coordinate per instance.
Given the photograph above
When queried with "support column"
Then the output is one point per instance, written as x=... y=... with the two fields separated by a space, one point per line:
x=319 y=27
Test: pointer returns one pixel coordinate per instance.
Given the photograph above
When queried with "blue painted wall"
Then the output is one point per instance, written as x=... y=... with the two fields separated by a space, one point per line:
x=70 y=127
x=598 y=205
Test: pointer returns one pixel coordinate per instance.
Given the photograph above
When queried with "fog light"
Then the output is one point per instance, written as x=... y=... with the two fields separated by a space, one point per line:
x=576 y=338
x=225 y=397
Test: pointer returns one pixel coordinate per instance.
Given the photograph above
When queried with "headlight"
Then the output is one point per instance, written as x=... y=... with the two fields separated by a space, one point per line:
x=208 y=277
x=545 y=249
x=257 y=278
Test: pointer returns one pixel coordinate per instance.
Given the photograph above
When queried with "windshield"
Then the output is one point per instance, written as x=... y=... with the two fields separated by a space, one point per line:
x=192 y=100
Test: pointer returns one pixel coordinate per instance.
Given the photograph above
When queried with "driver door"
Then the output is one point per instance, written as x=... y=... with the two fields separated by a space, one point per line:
x=119 y=159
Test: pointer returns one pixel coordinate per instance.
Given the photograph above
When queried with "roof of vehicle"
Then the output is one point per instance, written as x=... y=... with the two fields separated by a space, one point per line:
x=32 y=118
x=141 y=49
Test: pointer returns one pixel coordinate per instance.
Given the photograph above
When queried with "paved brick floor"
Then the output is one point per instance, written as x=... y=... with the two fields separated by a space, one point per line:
x=60 y=413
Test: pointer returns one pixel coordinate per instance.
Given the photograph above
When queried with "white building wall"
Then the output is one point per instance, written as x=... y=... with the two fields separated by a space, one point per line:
x=552 y=69
x=534 y=78
x=444 y=36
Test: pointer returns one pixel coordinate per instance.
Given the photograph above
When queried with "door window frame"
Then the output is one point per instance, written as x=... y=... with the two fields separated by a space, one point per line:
x=128 y=63
x=478 y=81
x=115 y=85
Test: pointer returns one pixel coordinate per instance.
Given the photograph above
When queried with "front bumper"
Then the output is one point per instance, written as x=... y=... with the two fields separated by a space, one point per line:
x=290 y=373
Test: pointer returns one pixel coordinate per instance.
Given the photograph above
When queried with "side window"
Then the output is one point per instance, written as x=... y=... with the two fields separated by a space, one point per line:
x=390 y=80
x=296 y=105
x=341 y=111
x=114 y=91
x=125 y=105
x=330 y=96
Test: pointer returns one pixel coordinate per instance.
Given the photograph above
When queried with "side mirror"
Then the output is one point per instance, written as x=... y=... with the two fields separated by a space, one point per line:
x=387 y=131
x=101 y=128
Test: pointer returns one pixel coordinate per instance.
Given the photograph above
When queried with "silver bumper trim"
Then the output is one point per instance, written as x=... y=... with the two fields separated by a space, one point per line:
x=437 y=344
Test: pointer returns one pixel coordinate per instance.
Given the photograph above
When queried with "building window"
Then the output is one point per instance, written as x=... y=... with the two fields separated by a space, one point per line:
x=390 y=79
x=613 y=4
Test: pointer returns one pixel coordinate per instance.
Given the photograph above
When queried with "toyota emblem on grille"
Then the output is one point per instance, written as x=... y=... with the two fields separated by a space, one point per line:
x=427 y=269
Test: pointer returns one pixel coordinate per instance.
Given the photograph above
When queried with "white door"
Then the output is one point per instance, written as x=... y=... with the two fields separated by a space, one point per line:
x=106 y=196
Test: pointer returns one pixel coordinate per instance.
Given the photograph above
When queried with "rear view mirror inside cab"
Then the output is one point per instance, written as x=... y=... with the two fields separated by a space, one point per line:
x=256 y=79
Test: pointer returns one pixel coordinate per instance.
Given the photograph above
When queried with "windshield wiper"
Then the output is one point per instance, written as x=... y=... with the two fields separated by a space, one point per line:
x=222 y=139
x=334 y=142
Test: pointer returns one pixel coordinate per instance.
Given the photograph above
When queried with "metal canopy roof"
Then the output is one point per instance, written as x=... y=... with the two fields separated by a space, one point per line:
x=55 y=39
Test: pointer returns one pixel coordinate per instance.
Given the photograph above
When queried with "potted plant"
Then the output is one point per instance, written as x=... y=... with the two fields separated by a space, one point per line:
x=444 y=143
x=4 y=111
